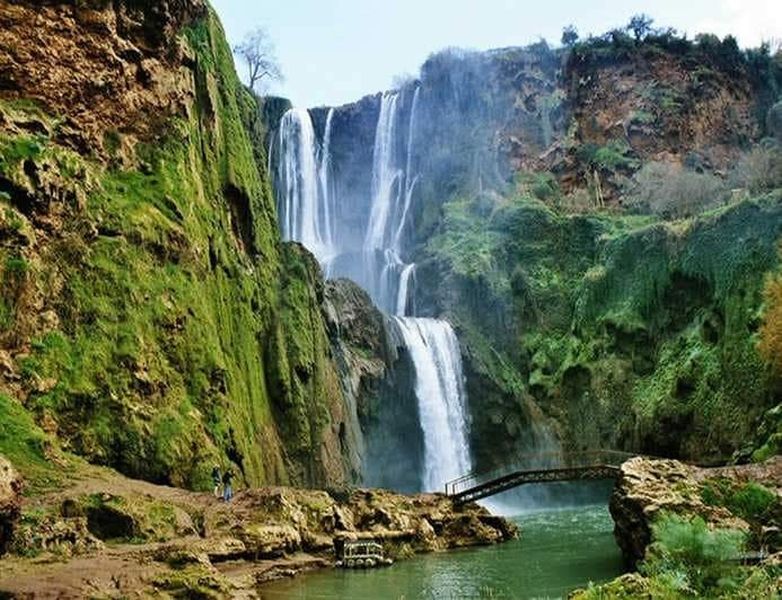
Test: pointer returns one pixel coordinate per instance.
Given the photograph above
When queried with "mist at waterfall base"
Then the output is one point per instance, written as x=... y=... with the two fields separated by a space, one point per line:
x=353 y=185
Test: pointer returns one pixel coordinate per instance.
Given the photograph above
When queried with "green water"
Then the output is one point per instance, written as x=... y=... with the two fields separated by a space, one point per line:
x=557 y=552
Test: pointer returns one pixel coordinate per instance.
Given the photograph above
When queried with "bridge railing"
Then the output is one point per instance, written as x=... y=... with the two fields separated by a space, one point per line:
x=545 y=461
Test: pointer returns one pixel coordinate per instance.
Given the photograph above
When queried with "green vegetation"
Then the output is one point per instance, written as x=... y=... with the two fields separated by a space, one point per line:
x=25 y=445
x=691 y=558
x=626 y=331
x=687 y=559
x=183 y=336
x=750 y=501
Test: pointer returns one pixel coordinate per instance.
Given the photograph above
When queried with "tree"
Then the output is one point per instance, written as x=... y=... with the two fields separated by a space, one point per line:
x=569 y=36
x=640 y=26
x=257 y=51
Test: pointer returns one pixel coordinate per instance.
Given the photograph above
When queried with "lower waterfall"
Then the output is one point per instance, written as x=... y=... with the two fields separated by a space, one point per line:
x=441 y=397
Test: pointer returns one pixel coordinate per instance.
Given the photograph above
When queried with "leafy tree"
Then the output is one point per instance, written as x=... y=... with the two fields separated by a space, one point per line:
x=674 y=192
x=257 y=51
x=640 y=26
x=569 y=36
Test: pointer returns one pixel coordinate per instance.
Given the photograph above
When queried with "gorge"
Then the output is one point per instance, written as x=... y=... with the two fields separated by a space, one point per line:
x=309 y=205
x=527 y=251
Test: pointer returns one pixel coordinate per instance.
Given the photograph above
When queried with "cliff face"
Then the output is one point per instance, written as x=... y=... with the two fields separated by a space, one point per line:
x=586 y=318
x=614 y=333
x=150 y=318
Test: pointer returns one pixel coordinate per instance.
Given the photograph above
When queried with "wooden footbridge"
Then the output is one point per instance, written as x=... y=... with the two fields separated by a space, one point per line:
x=538 y=468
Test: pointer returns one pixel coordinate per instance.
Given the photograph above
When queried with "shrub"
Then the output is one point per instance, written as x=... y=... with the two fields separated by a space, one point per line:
x=760 y=169
x=774 y=121
x=750 y=501
x=688 y=556
x=674 y=192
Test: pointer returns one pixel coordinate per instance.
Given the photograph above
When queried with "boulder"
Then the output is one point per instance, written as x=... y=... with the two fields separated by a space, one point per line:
x=10 y=502
x=647 y=487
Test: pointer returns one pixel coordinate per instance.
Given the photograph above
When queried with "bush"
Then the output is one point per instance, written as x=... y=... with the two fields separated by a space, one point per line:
x=760 y=169
x=774 y=121
x=750 y=501
x=674 y=192
x=689 y=557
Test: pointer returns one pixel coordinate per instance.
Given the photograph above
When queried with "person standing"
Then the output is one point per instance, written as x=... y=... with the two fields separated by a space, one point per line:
x=228 y=491
x=217 y=480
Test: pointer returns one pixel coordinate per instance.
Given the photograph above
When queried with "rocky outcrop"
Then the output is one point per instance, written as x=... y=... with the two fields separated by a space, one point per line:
x=10 y=502
x=126 y=70
x=647 y=487
x=262 y=534
x=381 y=431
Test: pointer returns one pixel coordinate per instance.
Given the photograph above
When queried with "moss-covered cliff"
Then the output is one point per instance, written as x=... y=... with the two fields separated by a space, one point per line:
x=150 y=318
x=610 y=331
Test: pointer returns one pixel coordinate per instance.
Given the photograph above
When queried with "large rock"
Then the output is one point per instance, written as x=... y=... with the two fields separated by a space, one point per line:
x=10 y=501
x=274 y=522
x=648 y=487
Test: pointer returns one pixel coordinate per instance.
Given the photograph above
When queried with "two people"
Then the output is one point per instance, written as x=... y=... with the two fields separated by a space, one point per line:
x=225 y=480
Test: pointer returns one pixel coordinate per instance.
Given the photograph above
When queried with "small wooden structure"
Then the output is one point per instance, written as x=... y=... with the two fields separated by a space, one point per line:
x=363 y=554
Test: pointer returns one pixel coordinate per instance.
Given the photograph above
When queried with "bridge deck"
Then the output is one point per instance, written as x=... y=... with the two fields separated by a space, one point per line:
x=540 y=468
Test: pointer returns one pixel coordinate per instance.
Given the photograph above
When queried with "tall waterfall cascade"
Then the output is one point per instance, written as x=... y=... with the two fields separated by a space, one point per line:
x=302 y=185
x=307 y=207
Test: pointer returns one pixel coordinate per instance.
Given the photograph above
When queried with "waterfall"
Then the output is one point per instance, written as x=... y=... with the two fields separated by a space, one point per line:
x=410 y=179
x=385 y=175
x=302 y=204
x=307 y=208
x=325 y=190
x=441 y=398
x=404 y=285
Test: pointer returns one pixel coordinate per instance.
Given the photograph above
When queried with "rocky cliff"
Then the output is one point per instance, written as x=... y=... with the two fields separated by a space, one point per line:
x=597 y=222
x=150 y=318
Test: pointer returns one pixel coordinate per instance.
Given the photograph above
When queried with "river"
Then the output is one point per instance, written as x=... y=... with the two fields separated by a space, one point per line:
x=558 y=551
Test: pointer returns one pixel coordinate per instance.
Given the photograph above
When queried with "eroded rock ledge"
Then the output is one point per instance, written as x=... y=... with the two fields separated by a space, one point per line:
x=647 y=488
x=109 y=534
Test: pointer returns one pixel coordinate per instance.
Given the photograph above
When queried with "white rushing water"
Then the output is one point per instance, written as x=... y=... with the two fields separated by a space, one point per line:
x=307 y=208
x=305 y=214
x=386 y=176
x=441 y=398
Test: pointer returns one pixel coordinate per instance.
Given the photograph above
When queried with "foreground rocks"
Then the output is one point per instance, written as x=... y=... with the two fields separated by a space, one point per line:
x=10 y=502
x=647 y=488
x=136 y=538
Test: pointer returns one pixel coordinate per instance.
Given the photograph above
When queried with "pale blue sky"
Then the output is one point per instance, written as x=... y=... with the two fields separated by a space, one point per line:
x=335 y=51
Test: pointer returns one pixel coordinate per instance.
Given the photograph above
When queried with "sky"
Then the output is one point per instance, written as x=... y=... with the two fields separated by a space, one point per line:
x=335 y=51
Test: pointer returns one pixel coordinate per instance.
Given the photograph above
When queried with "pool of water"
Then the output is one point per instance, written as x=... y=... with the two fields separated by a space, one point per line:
x=557 y=552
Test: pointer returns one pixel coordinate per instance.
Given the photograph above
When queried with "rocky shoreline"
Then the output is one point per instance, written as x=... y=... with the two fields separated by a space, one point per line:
x=107 y=534
x=674 y=524
x=647 y=488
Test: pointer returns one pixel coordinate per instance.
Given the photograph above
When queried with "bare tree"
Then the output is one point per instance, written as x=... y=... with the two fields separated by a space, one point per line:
x=640 y=26
x=569 y=36
x=257 y=51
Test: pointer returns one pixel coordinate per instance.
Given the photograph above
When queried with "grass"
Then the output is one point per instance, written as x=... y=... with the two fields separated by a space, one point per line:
x=24 y=444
